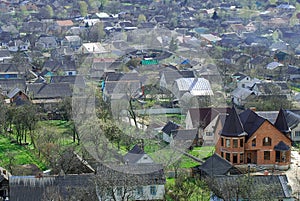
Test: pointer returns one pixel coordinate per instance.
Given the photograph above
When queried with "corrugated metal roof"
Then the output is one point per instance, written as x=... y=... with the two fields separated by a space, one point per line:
x=196 y=86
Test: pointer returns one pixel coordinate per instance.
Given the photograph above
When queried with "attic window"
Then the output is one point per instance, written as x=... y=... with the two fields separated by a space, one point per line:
x=254 y=142
x=267 y=141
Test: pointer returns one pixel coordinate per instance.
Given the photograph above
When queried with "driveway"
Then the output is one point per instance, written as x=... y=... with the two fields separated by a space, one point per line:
x=293 y=173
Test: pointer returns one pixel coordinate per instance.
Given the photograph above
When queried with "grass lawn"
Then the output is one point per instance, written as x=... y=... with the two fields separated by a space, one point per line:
x=203 y=152
x=19 y=155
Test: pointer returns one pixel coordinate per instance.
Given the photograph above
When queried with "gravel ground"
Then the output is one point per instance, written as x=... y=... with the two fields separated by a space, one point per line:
x=293 y=174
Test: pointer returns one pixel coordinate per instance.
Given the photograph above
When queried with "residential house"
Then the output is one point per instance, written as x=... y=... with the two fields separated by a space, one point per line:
x=5 y=55
x=63 y=25
x=77 y=81
x=48 y=94
x=117 y=86
x=168 y=77
x=65 y=65
x=240 y=96
x=10 y=70
x=37 y=188
x=32 y=27
x=7 y=85
x=73 y=42
x=192 y=91
x=204 y=120
x=142 y=181
x=168 y=131
x=215 y=165
x=137 y=155
x=210 y=39
x=255 y=187
x=17 y=96
x=293 y=73
x=102 y=65
x=185 y=139
x=92 y=48
x=292 y=118
x=243 y=81
x=46 y=43
x=18 y=45
x=248 y=138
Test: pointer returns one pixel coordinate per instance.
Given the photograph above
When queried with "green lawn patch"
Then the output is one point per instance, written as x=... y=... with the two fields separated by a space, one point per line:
x=14 y=154
x=203 y=152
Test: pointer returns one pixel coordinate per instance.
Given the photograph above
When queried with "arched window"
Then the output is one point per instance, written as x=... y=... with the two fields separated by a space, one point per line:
x=267 y=141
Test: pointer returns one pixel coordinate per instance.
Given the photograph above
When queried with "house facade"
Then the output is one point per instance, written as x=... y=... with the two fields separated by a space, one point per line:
x=248 y=138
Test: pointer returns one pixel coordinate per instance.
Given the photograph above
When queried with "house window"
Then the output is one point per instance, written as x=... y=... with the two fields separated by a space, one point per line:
x=267 y=155
x=209 y=133
x=139 y=191
x=228 y=156
x=254 y=142
x=241 y=143
x=243 y=85
x=153 y=190
x=267 y=141
x=235 y=143
x=222 y=142
x=297 y=133
x=241 y=158
x=227 y=142
x=222 y=154
x=234 y=158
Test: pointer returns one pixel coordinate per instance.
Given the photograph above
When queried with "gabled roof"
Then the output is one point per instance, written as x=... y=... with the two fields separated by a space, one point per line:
x=134 y=155
x=196 y=86
x=241 y=93
x=49 y=91
x=185 y=135
x=170 y=127
x=216 y=165
x=251 y=121
x=203 y=116
x=64 y=23
x=77 y=80
x=139 y=174
x=31 y=188
x=281 y=146
x=172 y=75
x=9 y=84
x=277 y=186
x=281 y=122
x=232 y=126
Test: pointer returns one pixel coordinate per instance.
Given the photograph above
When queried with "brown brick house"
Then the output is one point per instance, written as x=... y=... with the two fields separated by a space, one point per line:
x=249 y=138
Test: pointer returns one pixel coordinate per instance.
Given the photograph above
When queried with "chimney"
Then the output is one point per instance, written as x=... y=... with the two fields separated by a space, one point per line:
x=253 y=109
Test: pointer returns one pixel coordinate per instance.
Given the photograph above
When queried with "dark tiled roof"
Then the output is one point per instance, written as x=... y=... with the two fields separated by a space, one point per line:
x=172 y=75
x=281 y=146
x=77 y=80
x=204 y=116
x=170 y=127
x=276 y=186
x=9 y=84
x=49 y=91
x=133 y=174
x=281 y=122
x=185 y=134
x=251 y=121
x=232 y=126
x=216 y=165
x=135 y=154
x=292 y=118
x=30 y=188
